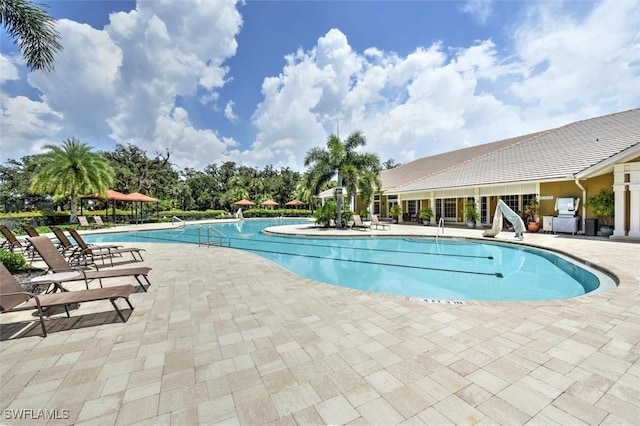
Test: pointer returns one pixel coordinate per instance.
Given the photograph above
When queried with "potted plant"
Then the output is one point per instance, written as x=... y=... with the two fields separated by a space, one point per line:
x=603 y=205
x=425 y=214
x=471 y=213
x=395 y=211
x=531 y=215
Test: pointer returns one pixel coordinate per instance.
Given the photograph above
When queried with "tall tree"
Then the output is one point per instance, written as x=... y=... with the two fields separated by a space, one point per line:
x=342 y=160
x=71 y=170
x=135 y=172
x=34 y=31
x=15 y=176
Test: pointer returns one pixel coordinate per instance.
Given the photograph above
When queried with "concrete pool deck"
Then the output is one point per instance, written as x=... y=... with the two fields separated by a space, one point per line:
x=227 y=337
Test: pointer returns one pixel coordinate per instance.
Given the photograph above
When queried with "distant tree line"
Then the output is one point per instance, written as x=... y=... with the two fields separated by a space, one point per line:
x=215 y=187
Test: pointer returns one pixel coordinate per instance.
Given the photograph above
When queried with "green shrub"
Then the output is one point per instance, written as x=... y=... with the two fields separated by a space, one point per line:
x=14 y=262
x=326 y=213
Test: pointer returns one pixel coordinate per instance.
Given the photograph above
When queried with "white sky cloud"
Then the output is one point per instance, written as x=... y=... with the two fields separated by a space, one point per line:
x=123 y=81
x=124 y=84
x=228 y=112
x=437 y=99
x=480 y=9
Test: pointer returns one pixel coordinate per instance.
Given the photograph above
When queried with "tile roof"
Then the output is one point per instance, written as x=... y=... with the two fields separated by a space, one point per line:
x=547 y=155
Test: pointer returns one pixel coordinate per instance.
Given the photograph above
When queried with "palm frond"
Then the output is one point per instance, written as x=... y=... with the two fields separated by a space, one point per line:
x=34 y=30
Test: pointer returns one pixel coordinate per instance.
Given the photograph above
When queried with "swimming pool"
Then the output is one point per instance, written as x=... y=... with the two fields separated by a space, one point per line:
x=444 y=269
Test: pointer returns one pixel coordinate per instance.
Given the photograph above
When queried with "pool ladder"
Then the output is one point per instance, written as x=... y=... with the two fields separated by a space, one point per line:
x=217 y=239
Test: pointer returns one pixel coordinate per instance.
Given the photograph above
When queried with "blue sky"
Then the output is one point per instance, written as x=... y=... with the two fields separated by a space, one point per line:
x=262 y=82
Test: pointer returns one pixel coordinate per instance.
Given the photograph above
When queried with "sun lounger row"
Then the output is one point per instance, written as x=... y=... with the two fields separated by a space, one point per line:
x=375 y=222
x=14 y=298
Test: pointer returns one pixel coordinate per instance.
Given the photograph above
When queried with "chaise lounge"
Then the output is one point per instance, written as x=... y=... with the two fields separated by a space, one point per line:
x=375 y=221
x=90 y=251
x=84 y=222
x=358 y=224
x=57 y=263
x=14 y=298
x=11 y=242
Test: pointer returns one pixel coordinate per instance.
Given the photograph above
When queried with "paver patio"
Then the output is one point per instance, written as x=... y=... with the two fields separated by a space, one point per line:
x=227 y=337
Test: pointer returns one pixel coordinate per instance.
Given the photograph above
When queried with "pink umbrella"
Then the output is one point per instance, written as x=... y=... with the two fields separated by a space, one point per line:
x=295 y=203
x=244 y=203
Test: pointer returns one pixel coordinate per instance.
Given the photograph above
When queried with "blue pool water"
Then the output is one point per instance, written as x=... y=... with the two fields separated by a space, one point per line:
x=447 y=269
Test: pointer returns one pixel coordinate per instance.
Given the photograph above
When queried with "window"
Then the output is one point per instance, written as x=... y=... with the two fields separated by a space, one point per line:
x=450 y=208
x=526 y=199
x=512 y=201
x=484 y=211
x=412 y=208
x=376 y=204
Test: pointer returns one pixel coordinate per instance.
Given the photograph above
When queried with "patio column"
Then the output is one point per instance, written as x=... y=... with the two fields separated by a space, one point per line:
x=626 y=177
x=632 y=170
x=634 y=219
x=432 y=204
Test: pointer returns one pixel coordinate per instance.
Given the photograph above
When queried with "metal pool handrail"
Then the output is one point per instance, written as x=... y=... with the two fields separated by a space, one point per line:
x=440 y=226
x=177 y=219
x=219 y=239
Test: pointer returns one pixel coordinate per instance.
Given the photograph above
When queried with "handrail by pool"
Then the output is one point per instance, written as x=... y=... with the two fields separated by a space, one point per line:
x=440 y=226
x=222 y=239
x=177 y=219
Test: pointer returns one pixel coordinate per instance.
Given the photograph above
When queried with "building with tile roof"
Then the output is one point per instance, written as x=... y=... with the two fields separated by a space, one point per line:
x=572 y=161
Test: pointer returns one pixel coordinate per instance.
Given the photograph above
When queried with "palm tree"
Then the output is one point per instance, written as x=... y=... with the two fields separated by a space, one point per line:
x=71 y=170
x=33 y=29
x=369 y=182
x=341 y=159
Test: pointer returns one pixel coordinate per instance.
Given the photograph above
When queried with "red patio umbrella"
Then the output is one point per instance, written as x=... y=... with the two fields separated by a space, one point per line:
x=244 y=203
x=140 y=198
x=269 y=203
x=136 y=196
x=116 y=196
x=295 y=203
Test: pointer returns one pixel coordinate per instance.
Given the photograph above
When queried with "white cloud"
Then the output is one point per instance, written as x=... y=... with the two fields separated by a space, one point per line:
x=481 y=10
x=8 y=71
x=121 y=84
x=228 y=112
x=124 y=83
x=188 y=145
x=560 y=69
x=26 y=125
x=585 y=65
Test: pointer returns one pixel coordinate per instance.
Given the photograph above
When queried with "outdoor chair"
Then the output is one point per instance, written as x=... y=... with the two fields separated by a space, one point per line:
x=375 y=221
x=14 y=298
x=30 y=230
x=12 y=243
x=84 y=222
x=359 y=224
x=87 y=251
x=98 y=221
x=64 y=246
x=57 y=263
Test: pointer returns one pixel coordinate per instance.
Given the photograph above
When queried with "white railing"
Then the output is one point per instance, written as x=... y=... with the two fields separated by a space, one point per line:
x=217 y=239
x=440 y=227
x=177 y=219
